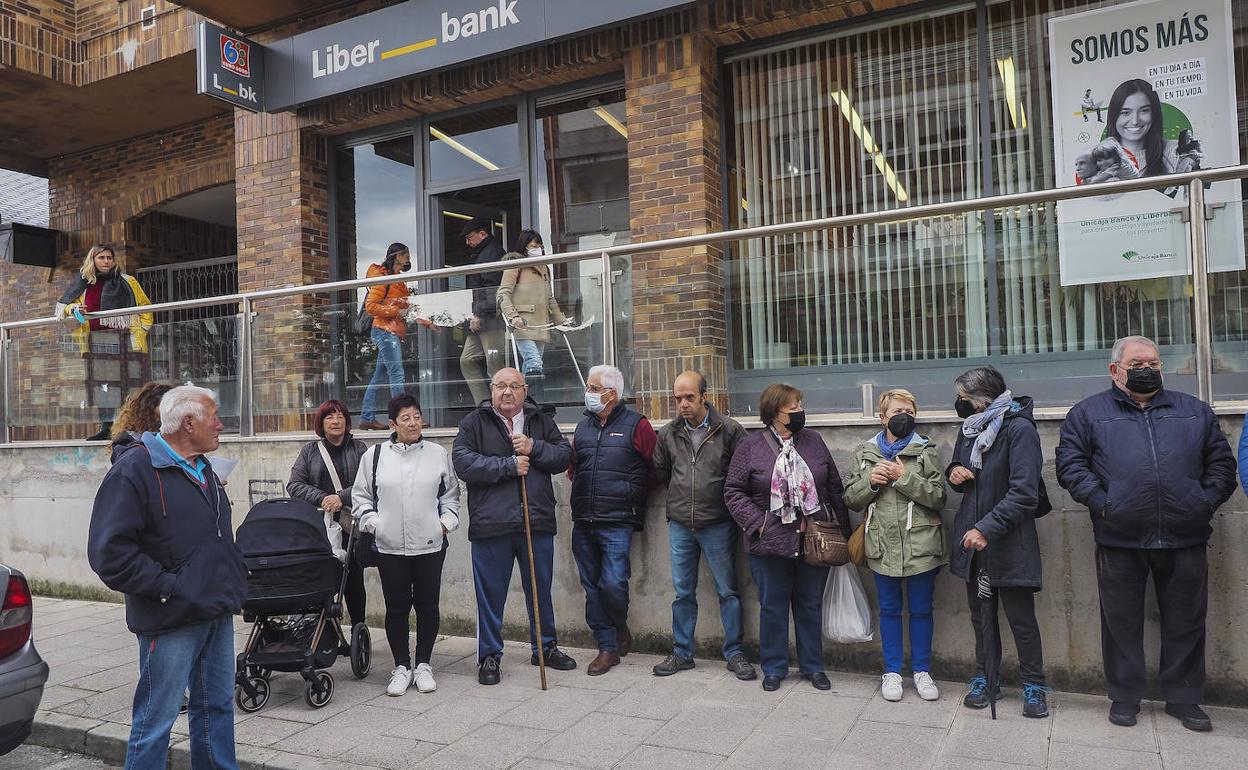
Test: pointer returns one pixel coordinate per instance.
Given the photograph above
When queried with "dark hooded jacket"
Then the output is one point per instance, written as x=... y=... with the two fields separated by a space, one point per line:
x=485 y=285
x=484 y=459
x=1150 y=477
x=165 y=541
x=1001 y=502
x=310 y=479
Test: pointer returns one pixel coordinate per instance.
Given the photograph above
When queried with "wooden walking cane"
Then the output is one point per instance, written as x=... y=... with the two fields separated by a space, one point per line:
x=536 y=625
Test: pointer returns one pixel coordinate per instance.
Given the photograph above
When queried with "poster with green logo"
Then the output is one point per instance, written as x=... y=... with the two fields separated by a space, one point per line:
x=1143 y=89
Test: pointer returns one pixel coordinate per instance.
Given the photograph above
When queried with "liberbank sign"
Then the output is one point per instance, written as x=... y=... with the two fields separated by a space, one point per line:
x=401 y=41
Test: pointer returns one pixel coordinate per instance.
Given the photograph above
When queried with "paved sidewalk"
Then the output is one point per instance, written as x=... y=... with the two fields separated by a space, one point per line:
x=628 y=718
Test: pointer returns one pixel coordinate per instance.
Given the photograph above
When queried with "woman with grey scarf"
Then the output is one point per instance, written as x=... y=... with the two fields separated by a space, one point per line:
x=996 y=466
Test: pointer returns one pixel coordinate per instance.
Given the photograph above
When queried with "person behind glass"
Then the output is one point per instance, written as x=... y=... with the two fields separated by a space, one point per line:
x=691 y=460
x=778 y=476
x=898 y=480
x=483 y=353
x=612 y=469
x=501 y=446
x=996 y=466
x=416 y=504
x=138 y=415
x=1152 y=466
x=528 y=305
x=101 y=285
x=387 y=304
x=312 y=480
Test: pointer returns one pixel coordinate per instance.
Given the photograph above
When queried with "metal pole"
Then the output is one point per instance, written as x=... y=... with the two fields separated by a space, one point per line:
x=868 y=399
x=246 y=392
x=4 y=386
x=608 y=311
x=1200 y=290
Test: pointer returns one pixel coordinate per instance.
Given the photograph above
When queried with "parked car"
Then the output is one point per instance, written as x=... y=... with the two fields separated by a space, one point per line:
x=22 y=672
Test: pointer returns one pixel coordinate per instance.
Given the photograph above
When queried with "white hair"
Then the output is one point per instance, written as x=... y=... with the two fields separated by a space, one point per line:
x=182 y=402
x=611 y=378
x=1120 y=347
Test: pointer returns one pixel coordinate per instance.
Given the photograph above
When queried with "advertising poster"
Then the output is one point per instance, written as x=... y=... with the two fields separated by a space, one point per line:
x=1143 y=89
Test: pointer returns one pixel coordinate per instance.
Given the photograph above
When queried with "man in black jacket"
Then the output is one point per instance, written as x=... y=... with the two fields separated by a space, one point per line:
x=484 y=342
x=504 y=443
x=161 y=534
x=1152 y=466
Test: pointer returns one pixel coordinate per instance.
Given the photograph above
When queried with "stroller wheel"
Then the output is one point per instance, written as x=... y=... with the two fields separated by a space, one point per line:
x=250 y=703
x=260 y=672
x=325 y=681
x=361 y=650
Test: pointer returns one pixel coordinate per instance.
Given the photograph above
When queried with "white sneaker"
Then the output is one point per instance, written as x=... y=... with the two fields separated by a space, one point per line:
x=400 y=680
x=890 y=686
x=924 y=685
x=424 y=678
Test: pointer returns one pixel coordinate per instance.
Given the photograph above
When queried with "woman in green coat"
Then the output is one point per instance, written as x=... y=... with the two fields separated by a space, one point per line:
x=898 y=479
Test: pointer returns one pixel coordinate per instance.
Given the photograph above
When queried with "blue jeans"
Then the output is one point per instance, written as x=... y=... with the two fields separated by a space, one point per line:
x=390 y=364
x=530 y=356
x=602 y=558
x=718 y=543
x=201 y=656
x=919 y=591
x=785 y=584
x=492 y=560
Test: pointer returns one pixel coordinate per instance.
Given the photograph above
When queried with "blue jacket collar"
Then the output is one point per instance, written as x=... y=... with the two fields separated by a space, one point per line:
x=159 y=451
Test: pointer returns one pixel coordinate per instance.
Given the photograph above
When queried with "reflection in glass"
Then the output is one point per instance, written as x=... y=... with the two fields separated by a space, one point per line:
x=376 y=202
x=471 y=145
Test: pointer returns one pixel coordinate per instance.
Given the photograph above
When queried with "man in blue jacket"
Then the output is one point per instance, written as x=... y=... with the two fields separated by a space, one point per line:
x=161 y=534
x=505 y=442
x=612 y=471
x=1152 y=466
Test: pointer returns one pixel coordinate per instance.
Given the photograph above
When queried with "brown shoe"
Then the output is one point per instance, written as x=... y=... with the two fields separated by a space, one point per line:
x=625 y=639
x=603 y=663
x=372 y=425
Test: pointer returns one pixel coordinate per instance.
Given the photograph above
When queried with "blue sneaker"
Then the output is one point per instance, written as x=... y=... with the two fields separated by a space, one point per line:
x=1035 y=700
x=977 y=693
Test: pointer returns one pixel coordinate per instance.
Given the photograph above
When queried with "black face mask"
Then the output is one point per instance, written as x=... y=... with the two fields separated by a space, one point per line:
x=963 y=407
x=1144 y=380
x=405 y=268
x=797 y=421
x=901 y=424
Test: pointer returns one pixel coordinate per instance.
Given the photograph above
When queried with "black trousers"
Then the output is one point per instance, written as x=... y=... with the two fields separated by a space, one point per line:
x=1181 y=579
x=411 y=583
x=1020 y=610
x=354 y=595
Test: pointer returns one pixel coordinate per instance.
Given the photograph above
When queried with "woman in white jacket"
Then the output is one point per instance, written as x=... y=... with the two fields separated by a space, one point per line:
x=410 y=508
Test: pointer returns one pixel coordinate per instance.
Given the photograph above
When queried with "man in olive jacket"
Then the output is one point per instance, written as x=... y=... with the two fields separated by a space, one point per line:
x=691 y=460
x=1152 y=466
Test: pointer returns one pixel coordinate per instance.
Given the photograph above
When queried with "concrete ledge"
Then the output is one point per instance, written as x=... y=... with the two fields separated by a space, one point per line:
x=62 y=731
x=107 y=741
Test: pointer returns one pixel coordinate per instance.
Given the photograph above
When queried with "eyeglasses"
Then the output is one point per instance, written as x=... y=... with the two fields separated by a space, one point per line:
x=597 y=389
x=506 y=386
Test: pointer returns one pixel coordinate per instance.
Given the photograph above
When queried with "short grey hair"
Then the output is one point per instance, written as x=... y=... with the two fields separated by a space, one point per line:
x=981 y=385
x=611 y=378
x=1115 y=355
x=182 y=402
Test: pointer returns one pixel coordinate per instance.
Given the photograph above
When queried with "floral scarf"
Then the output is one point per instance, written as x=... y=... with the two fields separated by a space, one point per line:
x=793 y=488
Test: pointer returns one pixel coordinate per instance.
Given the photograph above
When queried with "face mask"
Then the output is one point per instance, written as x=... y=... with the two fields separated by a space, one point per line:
x=535 y=252
x=593 y=402
x=1143 y=380
x=963 y=407
x=797 y=421
x=901 y=424
x=405 y=268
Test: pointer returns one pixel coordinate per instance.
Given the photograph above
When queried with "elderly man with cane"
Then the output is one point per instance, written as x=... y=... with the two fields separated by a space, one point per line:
x=506 y=451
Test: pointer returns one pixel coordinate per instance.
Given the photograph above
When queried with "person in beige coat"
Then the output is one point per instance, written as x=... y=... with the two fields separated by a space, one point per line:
x=530 y=309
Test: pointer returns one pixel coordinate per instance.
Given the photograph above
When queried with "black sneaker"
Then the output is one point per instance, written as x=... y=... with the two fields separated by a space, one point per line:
x=1123 y=714
x=672 y=664
x=739 y=665
x=556 y=659
x=1035 y=700
x=1192 y=716
x=488 y=671
x=977 y=693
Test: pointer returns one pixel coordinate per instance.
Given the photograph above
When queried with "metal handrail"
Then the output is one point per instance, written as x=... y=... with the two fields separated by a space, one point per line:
x=883 y=216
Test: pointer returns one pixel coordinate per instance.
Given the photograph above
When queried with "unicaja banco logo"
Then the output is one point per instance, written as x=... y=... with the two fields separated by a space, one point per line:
x=1130 y=255
x=235 y=56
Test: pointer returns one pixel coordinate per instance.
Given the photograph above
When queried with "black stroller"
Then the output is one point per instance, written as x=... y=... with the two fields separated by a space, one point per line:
x=294 y=601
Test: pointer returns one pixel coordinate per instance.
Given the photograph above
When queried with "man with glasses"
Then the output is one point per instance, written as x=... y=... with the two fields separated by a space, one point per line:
x=612 y=471
x=484 y=341
x=1152 y=466
x=504 y=443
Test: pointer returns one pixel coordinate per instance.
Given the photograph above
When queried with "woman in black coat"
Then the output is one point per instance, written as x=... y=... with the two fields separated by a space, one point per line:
x=311 y=480
x=996 y=466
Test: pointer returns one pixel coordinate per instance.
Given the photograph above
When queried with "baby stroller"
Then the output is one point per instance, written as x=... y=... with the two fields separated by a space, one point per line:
x=294 y=603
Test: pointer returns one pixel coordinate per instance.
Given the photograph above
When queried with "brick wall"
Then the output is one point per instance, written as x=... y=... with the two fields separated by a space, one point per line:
x=157 y=238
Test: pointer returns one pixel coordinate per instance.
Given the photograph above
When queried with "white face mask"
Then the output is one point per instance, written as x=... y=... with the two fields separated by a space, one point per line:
x=535 y=252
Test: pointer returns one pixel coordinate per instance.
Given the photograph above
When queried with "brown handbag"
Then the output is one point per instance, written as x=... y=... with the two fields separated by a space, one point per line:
x=858 y=541
x=823 y=543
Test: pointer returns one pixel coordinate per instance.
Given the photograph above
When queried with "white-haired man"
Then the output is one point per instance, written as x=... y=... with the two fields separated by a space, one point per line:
x=161 y=534
x=612 y=472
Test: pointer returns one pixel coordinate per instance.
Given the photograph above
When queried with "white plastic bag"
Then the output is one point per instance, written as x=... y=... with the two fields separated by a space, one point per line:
x=846 y=611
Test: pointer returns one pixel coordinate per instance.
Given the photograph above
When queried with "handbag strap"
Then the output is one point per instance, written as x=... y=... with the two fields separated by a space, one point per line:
x=329 y=464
